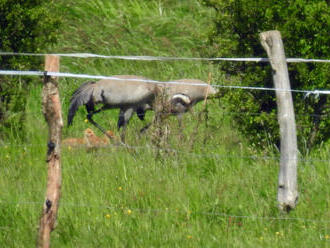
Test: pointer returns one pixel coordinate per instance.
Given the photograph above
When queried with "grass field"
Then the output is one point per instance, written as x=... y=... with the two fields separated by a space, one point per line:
x=205 y=187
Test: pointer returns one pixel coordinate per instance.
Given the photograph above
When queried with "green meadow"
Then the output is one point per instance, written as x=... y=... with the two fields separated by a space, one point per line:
x=202 y=186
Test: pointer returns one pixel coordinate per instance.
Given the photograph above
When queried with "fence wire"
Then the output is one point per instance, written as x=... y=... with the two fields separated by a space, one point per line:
x=227 y=113
x=307 y=93
x=162 y=58
x=111 y=147
x=169 y=210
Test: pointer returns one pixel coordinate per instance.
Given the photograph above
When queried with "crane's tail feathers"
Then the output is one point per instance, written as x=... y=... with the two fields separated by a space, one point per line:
x=82 y=96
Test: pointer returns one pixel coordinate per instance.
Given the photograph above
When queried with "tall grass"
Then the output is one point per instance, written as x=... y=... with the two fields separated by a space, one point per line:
x=203 y=187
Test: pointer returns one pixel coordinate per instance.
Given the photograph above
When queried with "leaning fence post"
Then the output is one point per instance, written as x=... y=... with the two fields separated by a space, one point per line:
x=287 y=195
x=52 y=112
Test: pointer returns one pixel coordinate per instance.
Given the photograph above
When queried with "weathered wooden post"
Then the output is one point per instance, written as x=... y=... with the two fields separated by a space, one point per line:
x=287 y=182
x=52 y=112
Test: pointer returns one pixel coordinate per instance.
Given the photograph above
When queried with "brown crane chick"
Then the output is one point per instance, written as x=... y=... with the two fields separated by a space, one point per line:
x=93 y=141
x=73 y=142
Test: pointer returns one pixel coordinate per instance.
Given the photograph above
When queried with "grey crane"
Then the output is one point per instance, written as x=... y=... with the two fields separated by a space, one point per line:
x=131 y=94
x=127 y=94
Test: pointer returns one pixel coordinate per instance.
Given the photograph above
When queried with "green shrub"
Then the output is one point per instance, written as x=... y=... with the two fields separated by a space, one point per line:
x=25 y=26
x=304 y=26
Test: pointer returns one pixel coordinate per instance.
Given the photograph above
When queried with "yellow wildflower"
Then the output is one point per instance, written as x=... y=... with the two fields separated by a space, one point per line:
x=86 y=121
x=129 y=211
x=120 y=188
x=108 y=216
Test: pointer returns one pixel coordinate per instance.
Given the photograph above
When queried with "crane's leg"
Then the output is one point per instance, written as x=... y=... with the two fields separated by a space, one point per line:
x=90 y=114
x=145 y=128
x=90 y=119
x=125 y=115
x=155 y=119
x=179 y=118
x=140 y=112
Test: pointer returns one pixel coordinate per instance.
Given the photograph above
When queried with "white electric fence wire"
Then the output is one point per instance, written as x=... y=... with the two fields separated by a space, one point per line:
x=74 y=75
x=231 y=113
x=168 y=210
x=162 y=58
x=172 y=150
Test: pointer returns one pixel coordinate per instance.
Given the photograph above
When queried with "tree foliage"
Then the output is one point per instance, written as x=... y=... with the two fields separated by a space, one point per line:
x=25 y=26
x=305 y=27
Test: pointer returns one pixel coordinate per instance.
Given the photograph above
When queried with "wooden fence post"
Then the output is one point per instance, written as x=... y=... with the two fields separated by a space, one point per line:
x=287 y=195
x=52 y=112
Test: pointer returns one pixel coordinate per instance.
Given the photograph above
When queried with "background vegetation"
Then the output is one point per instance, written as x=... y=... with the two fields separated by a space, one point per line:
x=304 y=26
x=186 y=196
x=25 y=26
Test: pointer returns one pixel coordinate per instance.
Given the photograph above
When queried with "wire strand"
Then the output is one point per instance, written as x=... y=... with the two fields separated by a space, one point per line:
x=175 y=151
x=87 y=76
x=162 y=58
x=170 y=210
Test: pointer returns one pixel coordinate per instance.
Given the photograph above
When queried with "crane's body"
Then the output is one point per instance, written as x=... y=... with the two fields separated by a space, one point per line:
x=128 y=94
x=133 y=95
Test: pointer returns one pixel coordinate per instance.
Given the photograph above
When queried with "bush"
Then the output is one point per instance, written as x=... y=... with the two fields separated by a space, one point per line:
x=25 y=26
x=304 y=26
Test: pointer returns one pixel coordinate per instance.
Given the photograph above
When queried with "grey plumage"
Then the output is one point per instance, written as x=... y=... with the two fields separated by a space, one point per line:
x=127 y=95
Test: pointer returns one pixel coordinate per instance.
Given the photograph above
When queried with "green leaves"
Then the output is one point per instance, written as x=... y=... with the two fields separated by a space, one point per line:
x=304 y=26
x=25 y=26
